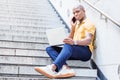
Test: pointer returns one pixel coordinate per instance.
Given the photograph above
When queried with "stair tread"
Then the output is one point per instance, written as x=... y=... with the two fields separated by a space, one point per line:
x=27 y=70
x=23 y=45
x=37 y=61
x=44 y=78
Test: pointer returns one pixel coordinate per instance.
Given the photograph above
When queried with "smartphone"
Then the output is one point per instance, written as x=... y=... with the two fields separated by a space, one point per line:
x=73 y=19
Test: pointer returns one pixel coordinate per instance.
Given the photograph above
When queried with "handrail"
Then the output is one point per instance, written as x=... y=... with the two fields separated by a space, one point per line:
x=108 y=17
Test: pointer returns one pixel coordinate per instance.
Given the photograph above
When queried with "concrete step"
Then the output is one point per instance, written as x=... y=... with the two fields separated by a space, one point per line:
x=23 y=45
x=29 y=71
x=27 y=27
x=23 y=1
x=44 y=78
x=32 y=19
x=23 y=38
x=31 y=24
x=23 y=53
x=28 y=13
x=23 y=33
x=39 y=19
x=26 y=10
x=19 y=31
x=27 y=3
x=18 y=55
x=34 y=60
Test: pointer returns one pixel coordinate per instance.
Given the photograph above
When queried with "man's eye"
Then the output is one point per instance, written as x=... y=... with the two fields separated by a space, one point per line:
x=76 y=12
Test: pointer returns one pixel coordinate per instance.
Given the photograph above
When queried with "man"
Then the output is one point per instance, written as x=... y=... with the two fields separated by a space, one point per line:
x=78 y=46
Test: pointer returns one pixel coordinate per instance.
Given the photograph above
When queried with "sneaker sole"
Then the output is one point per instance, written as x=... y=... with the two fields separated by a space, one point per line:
x=44 y=73
x=65 y=75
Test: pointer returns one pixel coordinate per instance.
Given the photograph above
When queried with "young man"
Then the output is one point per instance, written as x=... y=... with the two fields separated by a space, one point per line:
x=78 y=46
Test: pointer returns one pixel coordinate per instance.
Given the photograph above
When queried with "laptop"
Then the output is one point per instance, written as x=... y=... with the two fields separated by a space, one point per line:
x=56 y=36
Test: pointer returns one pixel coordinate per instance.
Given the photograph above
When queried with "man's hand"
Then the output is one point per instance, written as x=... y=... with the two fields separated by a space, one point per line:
x=68 y=41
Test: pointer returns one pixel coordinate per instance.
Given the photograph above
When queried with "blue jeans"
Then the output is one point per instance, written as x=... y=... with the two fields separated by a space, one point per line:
x=60 y=55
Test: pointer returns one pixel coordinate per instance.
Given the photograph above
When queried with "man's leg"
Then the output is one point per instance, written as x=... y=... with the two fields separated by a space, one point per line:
x=49 y=70
x=82 y=53
x=77 y=53
x=63 y=56
x=53 y=51
x=60 y=62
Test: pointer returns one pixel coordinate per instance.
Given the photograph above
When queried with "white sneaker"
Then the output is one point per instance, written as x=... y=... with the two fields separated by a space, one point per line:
x=46 y=71
x=64 y=73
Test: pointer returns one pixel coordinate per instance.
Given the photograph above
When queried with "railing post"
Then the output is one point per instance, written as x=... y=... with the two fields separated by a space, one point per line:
x=119 y=71
x=103 y=17
x=79 y=1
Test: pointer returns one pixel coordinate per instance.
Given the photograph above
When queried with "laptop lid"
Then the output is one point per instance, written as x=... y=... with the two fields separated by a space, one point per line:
x=56 y=35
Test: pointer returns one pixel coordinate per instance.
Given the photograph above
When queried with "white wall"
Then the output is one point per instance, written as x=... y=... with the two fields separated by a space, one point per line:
x=107 y=52
x=111 y=7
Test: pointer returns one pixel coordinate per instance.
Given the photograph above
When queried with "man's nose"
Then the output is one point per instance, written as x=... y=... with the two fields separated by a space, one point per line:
x=75 y=14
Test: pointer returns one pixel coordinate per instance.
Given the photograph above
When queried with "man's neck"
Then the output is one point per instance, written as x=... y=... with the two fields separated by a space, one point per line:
x=82 y=19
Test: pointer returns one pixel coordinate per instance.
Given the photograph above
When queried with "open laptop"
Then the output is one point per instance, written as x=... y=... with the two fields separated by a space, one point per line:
x=56 y=35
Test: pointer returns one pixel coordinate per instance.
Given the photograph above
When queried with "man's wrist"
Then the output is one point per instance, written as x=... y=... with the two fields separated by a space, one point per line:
x=75 y=42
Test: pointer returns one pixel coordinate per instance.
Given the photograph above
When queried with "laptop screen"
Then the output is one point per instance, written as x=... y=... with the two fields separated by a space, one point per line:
x=56 y=35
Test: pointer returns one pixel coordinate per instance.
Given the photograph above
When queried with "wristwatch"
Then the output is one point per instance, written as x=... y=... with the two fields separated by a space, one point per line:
x=75 y=42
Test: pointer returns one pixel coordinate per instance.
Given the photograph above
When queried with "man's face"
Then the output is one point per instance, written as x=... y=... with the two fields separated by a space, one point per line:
x=78 y=13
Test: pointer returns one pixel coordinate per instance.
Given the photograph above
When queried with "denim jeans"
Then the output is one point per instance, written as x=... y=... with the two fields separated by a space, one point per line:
x=60 y=55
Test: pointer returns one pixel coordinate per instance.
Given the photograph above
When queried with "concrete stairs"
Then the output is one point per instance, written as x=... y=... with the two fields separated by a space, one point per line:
x=23 y=40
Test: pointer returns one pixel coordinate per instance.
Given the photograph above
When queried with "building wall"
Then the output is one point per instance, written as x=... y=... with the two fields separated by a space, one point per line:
x=107 y=52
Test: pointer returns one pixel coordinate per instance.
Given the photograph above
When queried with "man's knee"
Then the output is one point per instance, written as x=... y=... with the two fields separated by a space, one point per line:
x=68 y=47
x=48 y=49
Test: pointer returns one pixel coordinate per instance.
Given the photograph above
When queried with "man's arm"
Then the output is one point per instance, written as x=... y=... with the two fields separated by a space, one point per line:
x=71 y=34
x=84 y=42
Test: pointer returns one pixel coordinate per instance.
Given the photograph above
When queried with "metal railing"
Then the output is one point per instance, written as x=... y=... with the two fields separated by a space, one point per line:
x=102 y=13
